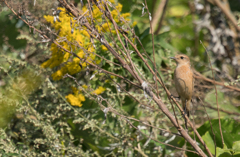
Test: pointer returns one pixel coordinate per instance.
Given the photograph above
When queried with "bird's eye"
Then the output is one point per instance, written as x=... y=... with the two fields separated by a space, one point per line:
x=182 y=57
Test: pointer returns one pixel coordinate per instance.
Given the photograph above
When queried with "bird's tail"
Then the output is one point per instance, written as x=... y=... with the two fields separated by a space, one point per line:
x=186 y=107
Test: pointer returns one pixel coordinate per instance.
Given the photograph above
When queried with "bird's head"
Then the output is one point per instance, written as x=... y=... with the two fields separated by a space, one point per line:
x=181 y=59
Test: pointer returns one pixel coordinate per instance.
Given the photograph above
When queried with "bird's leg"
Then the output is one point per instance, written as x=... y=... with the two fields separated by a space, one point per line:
x=192 y=114
x=185 y=108
x=186 y=113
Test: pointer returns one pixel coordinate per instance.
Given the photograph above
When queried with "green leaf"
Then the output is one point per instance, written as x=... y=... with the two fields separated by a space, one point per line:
x=209 y=142
x=10 y=31
x=145 y=33
x=225 y=152
x=223 y=101
x=236 y=147
x=230 y=130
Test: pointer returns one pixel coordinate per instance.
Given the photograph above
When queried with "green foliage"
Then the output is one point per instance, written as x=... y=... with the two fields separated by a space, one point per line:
x=230 y=129
x=10 y=31
x=20 y=82
x=163 y=50
x=224 y=103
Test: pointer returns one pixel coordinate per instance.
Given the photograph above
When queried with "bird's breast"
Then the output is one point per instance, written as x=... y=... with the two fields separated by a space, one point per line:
x=184 y=81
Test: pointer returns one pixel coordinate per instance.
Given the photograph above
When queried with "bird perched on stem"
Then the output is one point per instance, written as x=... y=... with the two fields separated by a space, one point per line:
x=184 y=82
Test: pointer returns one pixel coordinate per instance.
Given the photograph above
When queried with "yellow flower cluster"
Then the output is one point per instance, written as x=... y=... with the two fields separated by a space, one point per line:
x=98 y=91
x=81 y=36
x=75 y=99
x=67 y=34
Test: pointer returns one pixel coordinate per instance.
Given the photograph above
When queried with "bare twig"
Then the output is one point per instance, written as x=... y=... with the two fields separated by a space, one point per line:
x=200 y=76
x=222 y=110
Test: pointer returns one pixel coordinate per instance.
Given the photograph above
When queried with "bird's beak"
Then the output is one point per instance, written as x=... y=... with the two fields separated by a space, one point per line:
x=172 y=58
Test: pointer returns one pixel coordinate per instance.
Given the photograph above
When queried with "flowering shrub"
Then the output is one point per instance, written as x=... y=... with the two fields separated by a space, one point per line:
x=70 y=35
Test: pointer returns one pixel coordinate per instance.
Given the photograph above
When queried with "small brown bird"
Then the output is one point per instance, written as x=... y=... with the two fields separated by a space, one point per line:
x=184 y=81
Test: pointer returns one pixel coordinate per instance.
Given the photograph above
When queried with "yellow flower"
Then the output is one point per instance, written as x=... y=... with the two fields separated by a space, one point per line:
x=98 y=91
x=85 y=33
x=114 y=14
x=73 y=67
x=75 y=90
x=66 y=56
x=46 y=64
x=75 y=100
x=105 y=27
x=81 y=97
x=119 y=7
x=106 y=81
x=112 y=1
x=57 y=75
x=48 y=18
x=91 y=49
x=82 y=37
x=104 y=48
x=134 y=23
x=85 y=86
x=98 y=61
x=96 y=12
x=80 y=53
x=55 y=62
x=112 y=76
x=126 y=15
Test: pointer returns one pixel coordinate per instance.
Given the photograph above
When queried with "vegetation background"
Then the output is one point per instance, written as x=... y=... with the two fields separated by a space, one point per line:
x=54 y=103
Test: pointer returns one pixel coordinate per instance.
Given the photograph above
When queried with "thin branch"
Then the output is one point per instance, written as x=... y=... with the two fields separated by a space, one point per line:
x=222 y=110
x=200 y=76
